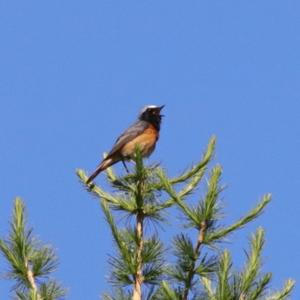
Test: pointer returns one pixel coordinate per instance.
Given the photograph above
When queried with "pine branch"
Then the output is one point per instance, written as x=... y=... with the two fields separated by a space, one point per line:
x=192 y=271
x=200 y=218
x=223 y=287
x=95 y=189
x=248 y=284
x=30 y=262
x=31 y=280
x=204 y=218
x=260 y=287
x=285 y=292
x=123 y=248
x=208 y=287
x=165 y=292
x=191 y=177
x=138 y=277
x=202 y=164
x=140 y=259
x=139 y=269
x=253 y=214
x=252 y=268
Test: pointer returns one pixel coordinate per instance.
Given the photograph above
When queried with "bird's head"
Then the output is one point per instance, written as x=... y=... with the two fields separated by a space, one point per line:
x=151 y=114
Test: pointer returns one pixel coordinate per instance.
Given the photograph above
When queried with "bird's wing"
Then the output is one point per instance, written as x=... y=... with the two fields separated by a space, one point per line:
x=132 y=132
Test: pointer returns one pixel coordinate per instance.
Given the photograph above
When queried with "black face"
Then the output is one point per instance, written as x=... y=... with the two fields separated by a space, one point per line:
x=152 y=115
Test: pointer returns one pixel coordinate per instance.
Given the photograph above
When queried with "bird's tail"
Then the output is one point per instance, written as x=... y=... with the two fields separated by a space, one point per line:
x=107 y=162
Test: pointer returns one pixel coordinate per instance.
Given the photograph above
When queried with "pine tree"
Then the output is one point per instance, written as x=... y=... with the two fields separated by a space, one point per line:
x=30 y=262
x=199 y=269
x=195 y=266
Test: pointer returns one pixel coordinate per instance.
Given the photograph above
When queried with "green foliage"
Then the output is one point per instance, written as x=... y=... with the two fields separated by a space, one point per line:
x=200 y=270
x=285 y=292
x=30 y=263
x=194 y=266
x=250 y=283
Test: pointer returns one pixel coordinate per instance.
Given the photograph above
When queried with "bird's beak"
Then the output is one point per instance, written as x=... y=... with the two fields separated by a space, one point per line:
x=160 y=108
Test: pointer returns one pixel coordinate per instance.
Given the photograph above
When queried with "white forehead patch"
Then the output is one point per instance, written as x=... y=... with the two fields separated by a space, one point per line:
x=148 y=106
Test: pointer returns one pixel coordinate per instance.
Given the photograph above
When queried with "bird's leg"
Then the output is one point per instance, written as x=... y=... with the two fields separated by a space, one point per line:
x=124 y=164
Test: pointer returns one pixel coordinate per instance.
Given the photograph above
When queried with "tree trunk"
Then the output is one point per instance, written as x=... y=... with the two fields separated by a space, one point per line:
x=137 y=289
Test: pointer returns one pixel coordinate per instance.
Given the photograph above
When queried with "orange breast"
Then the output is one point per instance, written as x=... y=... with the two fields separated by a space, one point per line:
x=146 y=142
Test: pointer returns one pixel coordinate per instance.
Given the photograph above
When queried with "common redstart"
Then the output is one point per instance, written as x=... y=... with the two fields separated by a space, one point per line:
x=144 y=134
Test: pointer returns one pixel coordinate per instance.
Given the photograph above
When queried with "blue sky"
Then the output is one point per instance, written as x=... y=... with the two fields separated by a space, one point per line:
x=74 y=74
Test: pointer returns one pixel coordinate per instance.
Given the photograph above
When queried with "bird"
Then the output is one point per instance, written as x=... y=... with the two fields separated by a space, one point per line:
x=144 y=133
